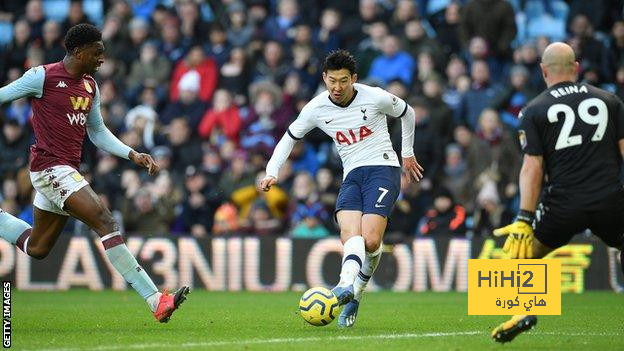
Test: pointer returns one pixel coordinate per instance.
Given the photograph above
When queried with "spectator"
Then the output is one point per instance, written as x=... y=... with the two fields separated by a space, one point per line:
x=245 y=197
x=493 y=20
x=504 y=153
x=590 y=52
x=370 y=47
x=14 y=143
x=326 y=39
x=456 y=175
x=327 y=189
x=479 y=96
x=239 y=30
x=441 y=115
x=267 y=119
x=238 y=174
x=146 y=216
x=218 y=47
x=427 y=145
x=616 y=47
x=185 y=149
x=199 y=205
x=188 y=104
x=261 y=222
x=76 y=15
x=490 y=213
x=114 y=38
x=150 y=69
x=393 y=63
x=191 y=25
x=143 y=119
x=14 y=55
x=272 y=67
x=448 y=30
x=444 y=217
x=196 y=61
x=404 y=11
x=234 y=75
x=36 y=19
x=512 y=99
x=309 y=221
x=171 y=43
x=226 y=220
x=279 y=28
x=529 y=58
x=409 y=208
x=53 y=49
x=222 y=120
x=416 y=41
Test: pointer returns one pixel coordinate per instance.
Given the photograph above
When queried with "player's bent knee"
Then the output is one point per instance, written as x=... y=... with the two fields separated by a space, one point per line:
x=106 y=222
x=372 y=242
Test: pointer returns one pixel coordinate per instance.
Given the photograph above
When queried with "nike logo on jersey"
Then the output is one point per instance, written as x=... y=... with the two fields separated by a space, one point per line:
x=61 y=84
x=377 y=205
x=328 y=122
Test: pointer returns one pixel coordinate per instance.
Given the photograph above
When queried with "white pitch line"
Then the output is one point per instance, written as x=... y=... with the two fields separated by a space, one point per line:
x=267 y=341
x=308 y=339
x=579 y=334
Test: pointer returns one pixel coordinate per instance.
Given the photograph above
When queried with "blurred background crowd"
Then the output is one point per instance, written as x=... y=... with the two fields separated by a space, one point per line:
x=209 y=87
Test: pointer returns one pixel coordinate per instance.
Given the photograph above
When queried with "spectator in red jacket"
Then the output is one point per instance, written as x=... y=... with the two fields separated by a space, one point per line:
x=445 y=217
x=223 y=118
x=205 y=66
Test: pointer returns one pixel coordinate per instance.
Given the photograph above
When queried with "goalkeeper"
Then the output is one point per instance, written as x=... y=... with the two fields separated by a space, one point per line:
x=572 y=135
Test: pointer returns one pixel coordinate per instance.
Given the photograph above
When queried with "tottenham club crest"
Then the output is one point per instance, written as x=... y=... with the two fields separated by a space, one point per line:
x=363 y=110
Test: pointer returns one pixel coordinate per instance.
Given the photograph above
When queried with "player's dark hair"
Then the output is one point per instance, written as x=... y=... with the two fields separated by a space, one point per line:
x=81 y=35
x=339 y=59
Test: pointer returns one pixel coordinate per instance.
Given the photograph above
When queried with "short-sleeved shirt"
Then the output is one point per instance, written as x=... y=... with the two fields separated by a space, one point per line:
x=359 y=129
x=576 y=128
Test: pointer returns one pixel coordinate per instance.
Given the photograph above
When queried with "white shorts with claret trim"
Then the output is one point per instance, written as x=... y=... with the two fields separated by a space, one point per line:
x=54 y=185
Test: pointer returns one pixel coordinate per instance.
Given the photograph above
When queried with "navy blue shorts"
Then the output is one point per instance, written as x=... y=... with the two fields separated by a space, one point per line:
x=370 y=189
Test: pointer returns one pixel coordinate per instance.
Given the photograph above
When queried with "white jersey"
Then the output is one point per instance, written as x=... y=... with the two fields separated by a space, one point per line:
x=359 y=129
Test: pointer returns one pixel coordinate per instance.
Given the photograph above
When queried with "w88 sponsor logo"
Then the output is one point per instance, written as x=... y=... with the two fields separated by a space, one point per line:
x=78 y=118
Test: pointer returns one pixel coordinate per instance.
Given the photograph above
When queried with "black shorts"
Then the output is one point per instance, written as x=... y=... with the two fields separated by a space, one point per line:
x=556 y=225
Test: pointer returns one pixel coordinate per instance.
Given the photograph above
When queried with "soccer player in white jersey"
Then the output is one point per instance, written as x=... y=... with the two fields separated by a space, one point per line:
x=354 y=116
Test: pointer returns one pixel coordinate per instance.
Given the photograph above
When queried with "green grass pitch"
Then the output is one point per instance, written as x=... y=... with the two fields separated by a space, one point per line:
x=78 y=319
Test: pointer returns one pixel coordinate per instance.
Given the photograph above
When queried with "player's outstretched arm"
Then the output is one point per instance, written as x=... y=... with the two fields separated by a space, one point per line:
x=101 y=137
x=28 y=85
x=410 y=165
x=519 y=242
x=280 y=154
x=296 y=131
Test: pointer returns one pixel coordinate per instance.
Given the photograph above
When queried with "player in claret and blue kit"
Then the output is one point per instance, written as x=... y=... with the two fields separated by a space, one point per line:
x=66 y=104
x=354 y=116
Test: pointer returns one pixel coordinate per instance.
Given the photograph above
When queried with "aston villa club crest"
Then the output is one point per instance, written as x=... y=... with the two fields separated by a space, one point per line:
x=88 y=86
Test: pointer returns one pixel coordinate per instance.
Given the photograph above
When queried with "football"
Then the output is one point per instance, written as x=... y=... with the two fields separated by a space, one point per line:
x=318 y=306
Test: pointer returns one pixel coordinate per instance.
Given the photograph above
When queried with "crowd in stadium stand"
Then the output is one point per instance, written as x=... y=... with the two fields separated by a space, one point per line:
x=209 y=87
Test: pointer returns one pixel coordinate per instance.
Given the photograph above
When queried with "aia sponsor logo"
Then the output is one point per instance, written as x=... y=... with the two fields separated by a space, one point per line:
x=353 y=138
